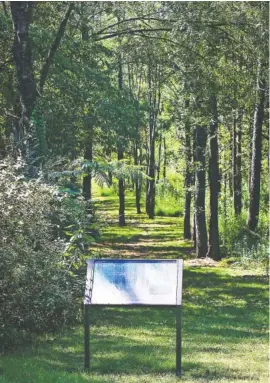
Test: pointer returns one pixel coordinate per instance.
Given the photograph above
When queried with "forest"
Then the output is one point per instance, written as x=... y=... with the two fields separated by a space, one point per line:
x=132 y=129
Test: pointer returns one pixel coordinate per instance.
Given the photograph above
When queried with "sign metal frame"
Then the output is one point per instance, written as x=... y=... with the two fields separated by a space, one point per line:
x=177 y=305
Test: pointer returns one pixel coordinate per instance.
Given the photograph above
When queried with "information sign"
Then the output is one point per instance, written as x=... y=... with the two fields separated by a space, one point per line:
x=133 y=282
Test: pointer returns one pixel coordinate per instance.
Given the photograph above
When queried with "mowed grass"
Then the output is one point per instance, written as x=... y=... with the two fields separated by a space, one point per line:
x=224 y=325
x=141 y=237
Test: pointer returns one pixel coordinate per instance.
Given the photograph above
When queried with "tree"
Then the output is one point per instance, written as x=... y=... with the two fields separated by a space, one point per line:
x=154 y=94
x=213 y=246
x=188 y=178
x=22 y=54
x=201 y=232
x=237 y=162
x=255 y=176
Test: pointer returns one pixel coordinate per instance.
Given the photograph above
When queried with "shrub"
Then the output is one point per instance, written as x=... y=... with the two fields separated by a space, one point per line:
x=37 y=290
x=252 y=255
x=247 y=248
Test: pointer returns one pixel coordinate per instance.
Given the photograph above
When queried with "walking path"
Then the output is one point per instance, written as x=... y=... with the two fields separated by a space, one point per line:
x=141 y=237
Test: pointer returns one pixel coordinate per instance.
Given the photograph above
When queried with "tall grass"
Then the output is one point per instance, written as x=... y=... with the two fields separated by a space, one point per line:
x=168 y=207
x=169 y=200
x=244 y=247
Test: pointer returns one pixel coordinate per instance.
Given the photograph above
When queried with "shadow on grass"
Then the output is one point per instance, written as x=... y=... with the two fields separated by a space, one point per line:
x=220 y=313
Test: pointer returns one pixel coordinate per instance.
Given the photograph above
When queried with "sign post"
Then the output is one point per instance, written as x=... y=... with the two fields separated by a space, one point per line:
x=178 y=317
x=178 y=342
x=86 y=338
x=133 y=283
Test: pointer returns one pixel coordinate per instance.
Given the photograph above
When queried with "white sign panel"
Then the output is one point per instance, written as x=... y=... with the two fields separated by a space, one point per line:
x=131 y=282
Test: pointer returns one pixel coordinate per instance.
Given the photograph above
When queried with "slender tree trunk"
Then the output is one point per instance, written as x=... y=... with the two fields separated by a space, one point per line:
x=121 y=188
x=137 y=182
x=154 y=102
x=88 y=152
x=88 y=155
x=194 y=229
x=230 y=183
x=201 y=233
x=225 y=202
x=213 y=245
x=188 y=181
x=151 y=192
x=236 y=164
x=159 y=157
x=120 y=154
x=255 y=174
x=193 y=184
x=165 y=158
x=55 y=45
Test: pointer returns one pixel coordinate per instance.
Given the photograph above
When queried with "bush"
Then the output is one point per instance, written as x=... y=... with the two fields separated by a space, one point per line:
x=37 y=290
x=247 y=248
x=252 y=254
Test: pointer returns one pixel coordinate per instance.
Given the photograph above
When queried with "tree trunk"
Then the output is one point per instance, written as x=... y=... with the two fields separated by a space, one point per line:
x=225 y=203
x=194 y=229
x=121 y=188
x=159 y=157
x=236 y=164
x=213 y=245
x=230 y=183
x=154 y=103
x=21 y=12
x=193 y=184
x=255 y=174
x=201 y=233
x=151 y=191
x=60 y=33
x=87 y=180
x=137 y=182
x=188 y=182
x=120 y=153
x=165 y=158
x=88 y=152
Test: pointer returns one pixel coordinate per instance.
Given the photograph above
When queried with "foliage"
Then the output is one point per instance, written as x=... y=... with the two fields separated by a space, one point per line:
x=37 y=289
x=170 y=196
x=168 y=207
x=252 y=255
x=246 y=248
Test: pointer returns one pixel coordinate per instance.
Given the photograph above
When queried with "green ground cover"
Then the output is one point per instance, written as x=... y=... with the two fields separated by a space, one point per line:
x=159 y=238
x=225 y=322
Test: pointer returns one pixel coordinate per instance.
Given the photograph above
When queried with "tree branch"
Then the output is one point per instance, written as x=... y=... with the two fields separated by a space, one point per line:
x=146 y=17
x=54 y=47
x=132 y=31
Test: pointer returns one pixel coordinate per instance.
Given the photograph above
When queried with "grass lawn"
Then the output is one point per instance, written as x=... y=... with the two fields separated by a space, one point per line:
x=141 y=237
x=225 y=324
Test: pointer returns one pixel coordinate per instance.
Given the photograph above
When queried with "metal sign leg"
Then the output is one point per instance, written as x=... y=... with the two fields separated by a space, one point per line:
x=178 y=341
x=86 y=338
